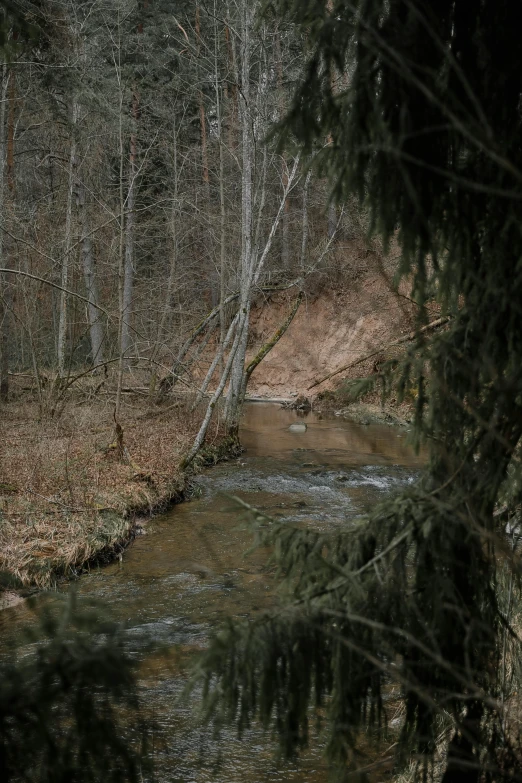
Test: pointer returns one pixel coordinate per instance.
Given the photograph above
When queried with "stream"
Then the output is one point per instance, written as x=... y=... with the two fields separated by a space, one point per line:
x=189 y=571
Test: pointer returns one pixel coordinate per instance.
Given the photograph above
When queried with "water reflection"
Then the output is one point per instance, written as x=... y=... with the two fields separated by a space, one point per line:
x=266 y=432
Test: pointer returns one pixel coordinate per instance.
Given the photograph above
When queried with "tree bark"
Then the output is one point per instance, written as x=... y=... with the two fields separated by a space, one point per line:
x=234 y=398
x=202 y=118
x=285 y=225
x=4 y=288
x=130 y=224
x=64 y=280
x=200 y=437
x=232 y=411
x=304 y=224
x=96 y=330
x=233 y=402
x=218 y=357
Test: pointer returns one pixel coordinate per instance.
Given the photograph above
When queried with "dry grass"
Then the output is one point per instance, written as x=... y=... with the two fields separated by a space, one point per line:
x=65 y=498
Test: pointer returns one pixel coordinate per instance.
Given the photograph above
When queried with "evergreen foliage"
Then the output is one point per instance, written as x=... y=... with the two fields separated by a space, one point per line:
x=421 y=101
x=13 y=16
x=26 y=22
x=69 y=710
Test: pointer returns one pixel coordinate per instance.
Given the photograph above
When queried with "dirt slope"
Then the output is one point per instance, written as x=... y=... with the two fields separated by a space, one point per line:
x=330 y=330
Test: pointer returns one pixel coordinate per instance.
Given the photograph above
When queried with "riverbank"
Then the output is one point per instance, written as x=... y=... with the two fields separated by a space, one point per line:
x=369 y=411
x=67 y=502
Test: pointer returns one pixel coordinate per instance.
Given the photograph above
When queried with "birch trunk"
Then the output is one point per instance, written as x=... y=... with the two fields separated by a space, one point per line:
x=234 y=364
x=218 y=358
x=234 y=401
x=240 y=378
x=252 y=260
x=232 y=411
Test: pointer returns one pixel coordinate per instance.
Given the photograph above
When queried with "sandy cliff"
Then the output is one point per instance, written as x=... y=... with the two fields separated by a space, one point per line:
x=330 y=330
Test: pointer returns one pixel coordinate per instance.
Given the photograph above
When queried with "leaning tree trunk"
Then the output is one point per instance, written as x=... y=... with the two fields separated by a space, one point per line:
x=252 y=260
x=219 y=357
x=200 y=437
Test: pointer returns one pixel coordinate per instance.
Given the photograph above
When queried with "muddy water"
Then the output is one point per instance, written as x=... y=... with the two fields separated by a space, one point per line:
x=190 y=570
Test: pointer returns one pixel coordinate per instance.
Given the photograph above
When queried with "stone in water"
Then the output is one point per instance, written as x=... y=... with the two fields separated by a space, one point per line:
x=297 y=428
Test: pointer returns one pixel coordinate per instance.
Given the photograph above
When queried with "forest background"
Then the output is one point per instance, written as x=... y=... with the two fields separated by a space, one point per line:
x=144 y=212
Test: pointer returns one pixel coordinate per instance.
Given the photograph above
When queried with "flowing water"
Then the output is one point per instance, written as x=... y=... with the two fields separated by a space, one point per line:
x=190 y=570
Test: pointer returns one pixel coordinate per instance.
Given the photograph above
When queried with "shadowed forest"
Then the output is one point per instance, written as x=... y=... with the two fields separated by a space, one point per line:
x=308 y=205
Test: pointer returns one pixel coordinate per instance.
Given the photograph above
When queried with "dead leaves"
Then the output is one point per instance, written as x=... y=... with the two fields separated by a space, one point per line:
x=64 y=496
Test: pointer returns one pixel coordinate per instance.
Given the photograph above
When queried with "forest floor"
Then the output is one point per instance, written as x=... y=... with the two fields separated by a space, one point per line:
x=66 y=500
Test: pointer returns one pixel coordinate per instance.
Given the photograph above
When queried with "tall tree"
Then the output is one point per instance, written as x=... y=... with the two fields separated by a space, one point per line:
x=4 y=303
x=67 y=242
